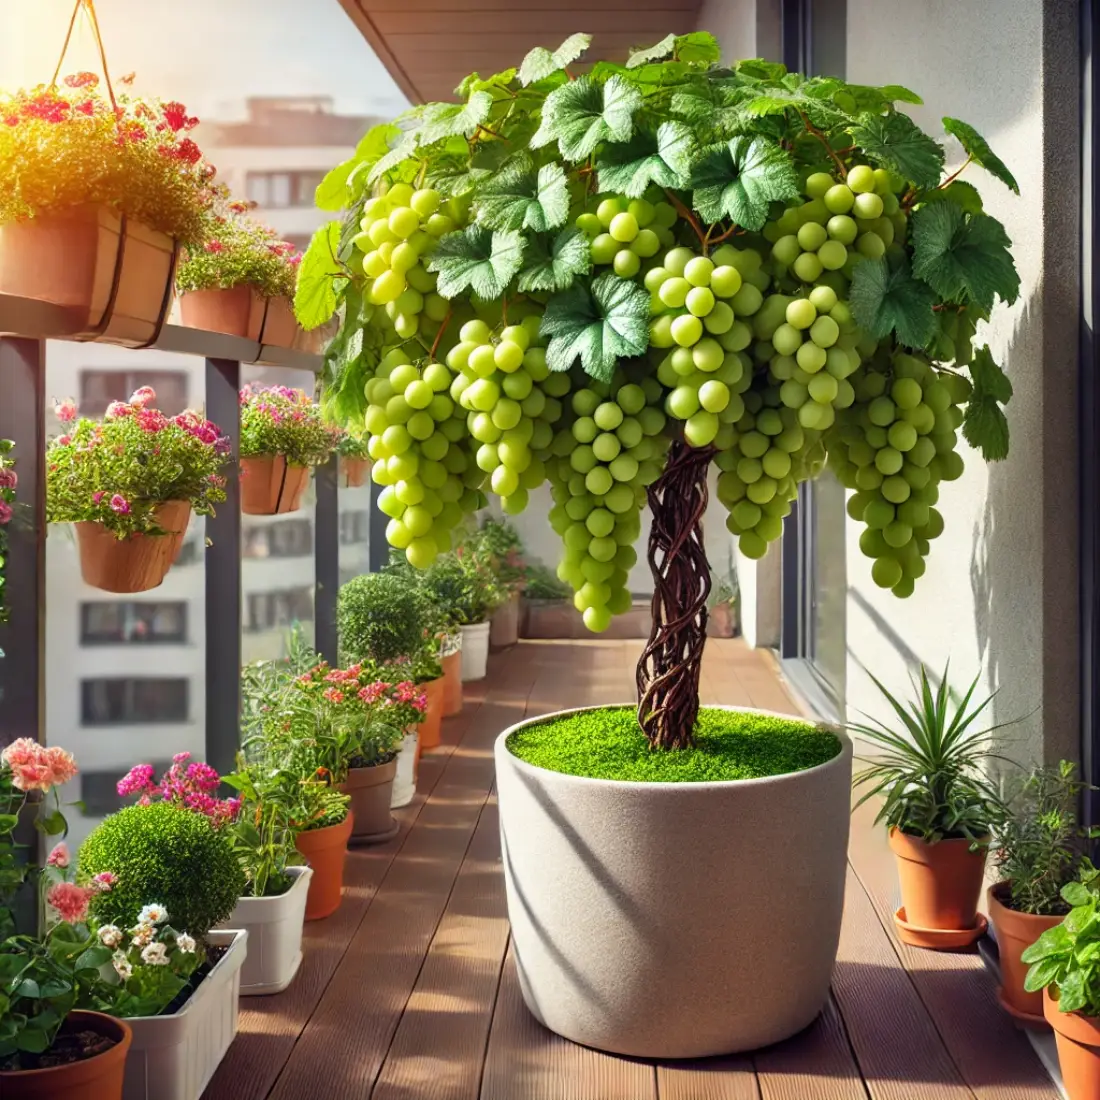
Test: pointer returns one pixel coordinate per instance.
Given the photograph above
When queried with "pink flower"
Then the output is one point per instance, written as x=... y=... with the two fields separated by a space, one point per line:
x=373 y=692
x=142 y=397
x=70 y=901
x=65 y=411
x=5 y=512
x=120 y=505
x=98 y=495
x=117 y=409
x=103 y=882
x=214 y=246
x=137 y=780
x=9 y=479
x=59 y=857
x=62 y=765
x=36 y=768
x=334 y=696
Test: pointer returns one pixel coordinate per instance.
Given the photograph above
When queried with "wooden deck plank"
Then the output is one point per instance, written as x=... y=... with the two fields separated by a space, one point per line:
x=957 y=990
x=731 y=1078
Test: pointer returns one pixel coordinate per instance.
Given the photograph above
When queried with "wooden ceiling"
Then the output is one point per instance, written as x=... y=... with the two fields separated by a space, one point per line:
x=430 y=45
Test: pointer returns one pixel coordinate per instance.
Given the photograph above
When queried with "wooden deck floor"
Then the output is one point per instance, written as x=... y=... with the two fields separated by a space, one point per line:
x=409 y=991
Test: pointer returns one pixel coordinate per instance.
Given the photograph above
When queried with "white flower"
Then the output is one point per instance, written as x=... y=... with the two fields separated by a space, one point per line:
x=122 y=967
x=155 y=954
x=110 y=935
x=185 y=943
x=142 y=935
x=153 y=914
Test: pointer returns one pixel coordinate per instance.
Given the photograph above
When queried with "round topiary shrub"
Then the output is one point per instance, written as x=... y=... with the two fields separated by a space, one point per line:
x=161 y=853
x=381 y=616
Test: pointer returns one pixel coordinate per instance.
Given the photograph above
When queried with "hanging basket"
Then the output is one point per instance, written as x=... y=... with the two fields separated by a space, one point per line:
x=138 y=562
x=236 y=311
x=354 y=471
x=270 y=486
x=112 y=275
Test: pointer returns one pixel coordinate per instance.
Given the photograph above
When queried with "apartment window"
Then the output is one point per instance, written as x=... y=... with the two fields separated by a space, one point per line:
x=268 y=610
x=112 y=701
x=99 y=792
x=98 y=388
x=128 y=622
x=282 y=189
x=354 y=527
x=289 y=538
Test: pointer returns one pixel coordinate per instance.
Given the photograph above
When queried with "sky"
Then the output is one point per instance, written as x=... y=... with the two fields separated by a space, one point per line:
x=209 y=54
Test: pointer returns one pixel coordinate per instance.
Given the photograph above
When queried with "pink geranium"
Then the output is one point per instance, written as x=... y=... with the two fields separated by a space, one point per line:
x=36 y=768
x=9 y=479
x=143 y=396
x=70 y=901
x=65 y=411
x=5 y=512
x=59 y=857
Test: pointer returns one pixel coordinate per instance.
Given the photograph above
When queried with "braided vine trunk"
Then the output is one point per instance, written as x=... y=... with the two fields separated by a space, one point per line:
x=668 y=672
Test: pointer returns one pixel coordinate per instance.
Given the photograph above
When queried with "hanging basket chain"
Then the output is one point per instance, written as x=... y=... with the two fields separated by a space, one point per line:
x=88 y=6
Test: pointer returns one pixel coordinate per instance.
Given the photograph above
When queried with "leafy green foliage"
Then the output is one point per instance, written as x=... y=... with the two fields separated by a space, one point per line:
x=525 y=197
x=895 y=141
x=334 y=191
x=553 y=264
x=462 y=588
x=444 y=120
x=885 y=301
x=315 y=296
x=541 y=63
x=928 y=770
x=697 y=48
x=582 y=114
x=985 y=425
x=740 y=179
x=598 y=325
x=480 y=260
x=660 y=157
x=381 y=617
x=977 y=149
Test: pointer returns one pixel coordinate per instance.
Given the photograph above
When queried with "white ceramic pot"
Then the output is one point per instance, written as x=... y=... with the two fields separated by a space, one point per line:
x=475 y=651
x=174 y=1057
x=274 y=927
x=408 y=759
x=674 y=920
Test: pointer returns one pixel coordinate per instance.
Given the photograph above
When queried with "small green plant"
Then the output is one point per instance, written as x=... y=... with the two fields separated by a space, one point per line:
x=929 y=771
x=1038 y=845
x=381 y=617
x=1066 y=958
x=464 y=586
x=543 y=584
x=162 y=853
x=497 y=545
x=278 y=420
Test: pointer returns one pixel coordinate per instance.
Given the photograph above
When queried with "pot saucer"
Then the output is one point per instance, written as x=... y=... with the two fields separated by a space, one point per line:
x=1025 y=1020
x=938 y=939
x=375 y=838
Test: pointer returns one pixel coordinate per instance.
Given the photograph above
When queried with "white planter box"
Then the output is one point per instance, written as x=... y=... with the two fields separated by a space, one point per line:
x=274 y=927
x=174 y=1057
x=475 y=651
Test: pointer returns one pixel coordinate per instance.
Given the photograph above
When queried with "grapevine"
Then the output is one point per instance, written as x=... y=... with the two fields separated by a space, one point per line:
x=606 y=282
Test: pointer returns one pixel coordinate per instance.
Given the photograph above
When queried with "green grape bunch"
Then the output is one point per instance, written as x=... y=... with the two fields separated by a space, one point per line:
x=565 y=279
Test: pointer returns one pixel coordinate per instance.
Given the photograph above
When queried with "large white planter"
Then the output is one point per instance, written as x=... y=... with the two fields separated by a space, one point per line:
x=475 y=651
x=674 y=920
x=404 y=782
x=274 y=927
x=174 y=1057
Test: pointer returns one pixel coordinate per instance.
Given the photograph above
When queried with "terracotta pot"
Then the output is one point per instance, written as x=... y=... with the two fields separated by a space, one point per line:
x=940 y=883
x=138 y=562
x=1078 y=1039
x=504 y=625
x=720 y=621
x=1015 y=933
x=431 y=727
x=452 y=684
x=270 y=486
x=354 y=471
x=371 y=790
x=98 y=1078
x=324 y=850
x=112 y=275
x=237 y=311
x=280 y=328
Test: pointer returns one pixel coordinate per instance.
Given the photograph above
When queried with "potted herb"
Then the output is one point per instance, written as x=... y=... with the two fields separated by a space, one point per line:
x=498 y=545
x=240 y=278
x=1038 y=849
x=938 y=807
x=166 y=859
x=354 y=460
x=1065 y=966
x=465 y=586
x=130 y=483
x=9 y=479
x=97 y=181
x=282 y=439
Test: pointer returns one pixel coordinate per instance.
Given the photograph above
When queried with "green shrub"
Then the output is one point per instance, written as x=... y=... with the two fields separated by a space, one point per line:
x=164 y=854
x=382 y=617
x=464 y=587
x=543 y=584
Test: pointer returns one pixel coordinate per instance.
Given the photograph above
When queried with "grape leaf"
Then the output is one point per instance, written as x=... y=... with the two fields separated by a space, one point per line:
x=896 y=141
x=977 y=148
x=885 y=301
x=402 y=150
x=697 y=47
x=523 y=197
x=475 y=83
x=582 y=114
x=662 y=157
x=477 y=259
x=898 y=93
x=738 y=180
x=452 y=177
x=985 y=426
x=715 y=104
x=540 y=62
x=554 y=264
x=661 y=50
x=963 y=255
x=444 y=120
x=315 y=293
x=964 y=195
x=599 y=325
x=756 y=68
x=332 y=191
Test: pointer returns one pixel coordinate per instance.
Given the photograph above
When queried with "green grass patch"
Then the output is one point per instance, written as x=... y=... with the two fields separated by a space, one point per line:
x=609 y=744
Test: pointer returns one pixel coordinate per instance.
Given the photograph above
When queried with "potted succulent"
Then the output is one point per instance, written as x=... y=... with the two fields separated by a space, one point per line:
x=167 y=861
x=282 y=439
x=240 y=278
x=98 y=182
x=938 y=807
x=354 y=460
x=498 y=544
x=130 y=483
x=1038 y=848
x=652 y=268
x=1065 y=966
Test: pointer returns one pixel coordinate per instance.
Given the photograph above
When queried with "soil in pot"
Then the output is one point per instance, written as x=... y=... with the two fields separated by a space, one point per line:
x=452 y=684
x=432 y=726
x=371 y=790
x=138 y=562
x=1016 y=932
x=87 y=1061
x=1078 y=1039
x=325 y=851
x=941 y=882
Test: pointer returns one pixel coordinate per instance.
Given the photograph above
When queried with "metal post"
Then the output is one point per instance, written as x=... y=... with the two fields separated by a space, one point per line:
x=223 y=580
x=326 y=549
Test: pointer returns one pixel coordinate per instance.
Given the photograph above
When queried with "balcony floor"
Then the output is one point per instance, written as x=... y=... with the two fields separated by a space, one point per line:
x=409 y=991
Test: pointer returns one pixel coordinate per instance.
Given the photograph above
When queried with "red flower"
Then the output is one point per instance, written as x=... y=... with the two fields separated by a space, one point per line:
x=131 y=131
x=188 y=152
x=11 y=120
x=175 y=114
x=82 y=80
x=214 y=246
x=86 y=107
